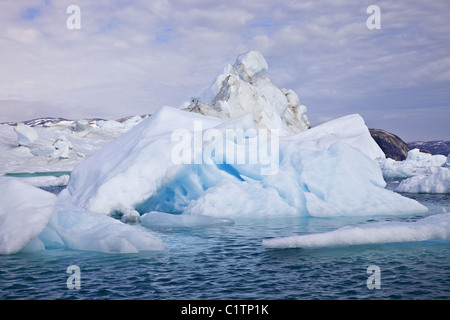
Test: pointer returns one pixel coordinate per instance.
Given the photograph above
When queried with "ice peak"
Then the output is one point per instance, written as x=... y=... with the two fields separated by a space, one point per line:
x=251 y=64
x=243 y=88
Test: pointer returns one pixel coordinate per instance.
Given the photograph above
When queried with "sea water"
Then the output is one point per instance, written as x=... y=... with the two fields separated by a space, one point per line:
x=229 y=262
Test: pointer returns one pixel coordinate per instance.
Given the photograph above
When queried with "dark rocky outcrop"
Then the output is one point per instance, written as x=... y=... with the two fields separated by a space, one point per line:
x=393 y=147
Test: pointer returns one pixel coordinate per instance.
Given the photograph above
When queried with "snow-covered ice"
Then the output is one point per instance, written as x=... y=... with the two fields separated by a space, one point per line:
x=62 y=147
x=433 y=183
x=32 y=219
x=47 y=180
x=336 y=181
x=25 y=134
x=251 y=65
x=435 y=227
x=134 y=167
x=350 y=129
x=416 y=163
x=328 y=171
x=56 y=145
x=422 y=172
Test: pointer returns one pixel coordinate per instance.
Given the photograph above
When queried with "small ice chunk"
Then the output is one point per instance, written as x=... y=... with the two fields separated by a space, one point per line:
x=45 y=151
x=81 y=125
x=243 y=88
x=25 y=134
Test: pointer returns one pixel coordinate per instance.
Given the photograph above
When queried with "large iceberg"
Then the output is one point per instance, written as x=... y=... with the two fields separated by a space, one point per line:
x=326 y=171
x=434 y=183
x=416 y=163
x=422 y=172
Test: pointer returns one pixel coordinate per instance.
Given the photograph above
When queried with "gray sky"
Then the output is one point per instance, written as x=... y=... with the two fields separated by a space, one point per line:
x=133 y=57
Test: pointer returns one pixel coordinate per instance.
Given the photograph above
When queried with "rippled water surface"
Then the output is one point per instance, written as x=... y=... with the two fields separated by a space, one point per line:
x=229 y=262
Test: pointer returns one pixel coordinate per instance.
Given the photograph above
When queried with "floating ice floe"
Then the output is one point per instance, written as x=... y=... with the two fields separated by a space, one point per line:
x=79 y=229
x=117 y=127
x=416 y=163
x=433 y=183
x=435 y=227
x=25 y=134
x=326 y=171
x=157 y=219
x=24 y=213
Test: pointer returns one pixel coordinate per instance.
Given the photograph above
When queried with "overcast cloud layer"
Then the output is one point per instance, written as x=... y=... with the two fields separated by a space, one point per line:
x=133 y=57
